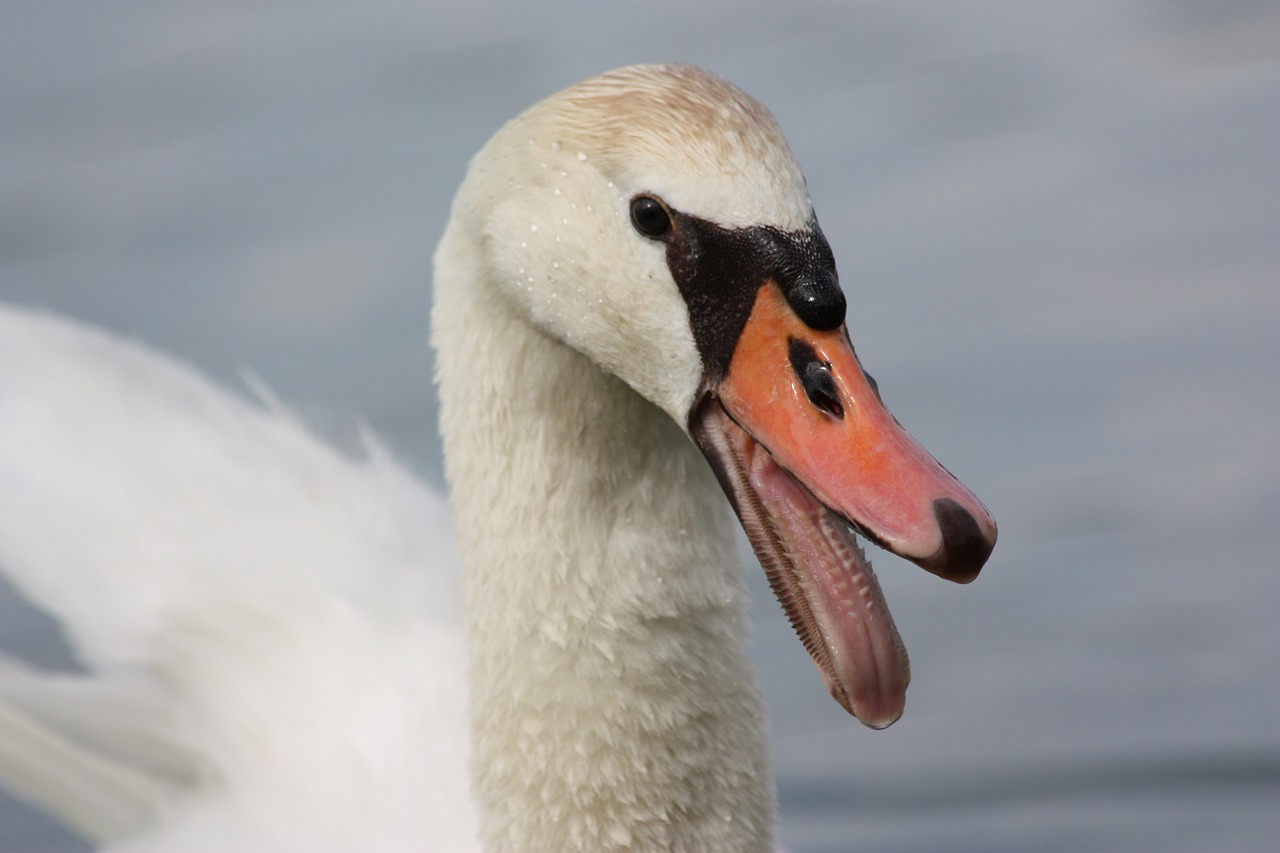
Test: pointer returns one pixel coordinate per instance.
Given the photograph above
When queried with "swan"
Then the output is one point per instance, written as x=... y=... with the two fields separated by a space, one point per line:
x=639 y=333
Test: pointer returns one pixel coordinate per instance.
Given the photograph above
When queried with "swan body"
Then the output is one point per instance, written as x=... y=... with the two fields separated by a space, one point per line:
x=256 y=681
x=272 y=631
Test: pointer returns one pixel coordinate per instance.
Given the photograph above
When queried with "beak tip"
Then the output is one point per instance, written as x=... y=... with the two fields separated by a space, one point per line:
x=876 y=709
x=878 y=718
x=965 y=544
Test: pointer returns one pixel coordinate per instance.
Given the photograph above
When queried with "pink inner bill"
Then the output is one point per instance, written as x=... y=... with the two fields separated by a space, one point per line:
x=819 y=574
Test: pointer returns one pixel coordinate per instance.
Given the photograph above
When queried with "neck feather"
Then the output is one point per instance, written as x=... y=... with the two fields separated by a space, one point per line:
x=612 y=704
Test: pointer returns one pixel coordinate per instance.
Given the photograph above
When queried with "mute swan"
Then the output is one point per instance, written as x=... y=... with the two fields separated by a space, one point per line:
x=632 y=283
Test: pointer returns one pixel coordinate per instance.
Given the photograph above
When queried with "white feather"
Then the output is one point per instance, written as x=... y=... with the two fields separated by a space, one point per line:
x=217 y=557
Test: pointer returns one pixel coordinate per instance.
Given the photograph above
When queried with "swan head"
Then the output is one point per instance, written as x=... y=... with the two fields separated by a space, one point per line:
x=654 y=219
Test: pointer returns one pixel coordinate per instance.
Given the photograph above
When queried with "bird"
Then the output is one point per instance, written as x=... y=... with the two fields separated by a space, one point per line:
x=640 y=334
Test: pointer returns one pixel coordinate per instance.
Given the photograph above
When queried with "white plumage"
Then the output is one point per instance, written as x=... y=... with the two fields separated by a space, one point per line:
x=271 y=668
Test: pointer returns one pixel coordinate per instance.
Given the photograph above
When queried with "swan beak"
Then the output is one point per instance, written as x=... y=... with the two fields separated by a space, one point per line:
x=805 y=448
x=805 y=397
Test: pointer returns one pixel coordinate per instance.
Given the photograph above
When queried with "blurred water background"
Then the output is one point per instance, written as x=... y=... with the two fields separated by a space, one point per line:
x=1059 y=225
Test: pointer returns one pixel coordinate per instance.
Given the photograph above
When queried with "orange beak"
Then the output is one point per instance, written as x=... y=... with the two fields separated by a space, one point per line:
x=804 y=446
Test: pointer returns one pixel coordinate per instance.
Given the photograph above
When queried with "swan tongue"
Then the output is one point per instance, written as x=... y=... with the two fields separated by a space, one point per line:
x=818 y=572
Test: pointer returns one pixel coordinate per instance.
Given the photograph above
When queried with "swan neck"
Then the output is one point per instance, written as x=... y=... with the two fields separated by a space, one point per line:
x=613 y=705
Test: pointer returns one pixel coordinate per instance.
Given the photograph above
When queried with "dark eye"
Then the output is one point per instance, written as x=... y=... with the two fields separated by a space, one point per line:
x=649 y=217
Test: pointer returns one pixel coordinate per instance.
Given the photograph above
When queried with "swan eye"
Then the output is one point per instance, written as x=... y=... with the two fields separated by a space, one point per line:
x=649 y=216
x=815 y=375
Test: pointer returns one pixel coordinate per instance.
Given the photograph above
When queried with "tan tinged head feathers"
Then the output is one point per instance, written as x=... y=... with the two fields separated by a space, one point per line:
x=548 y=200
